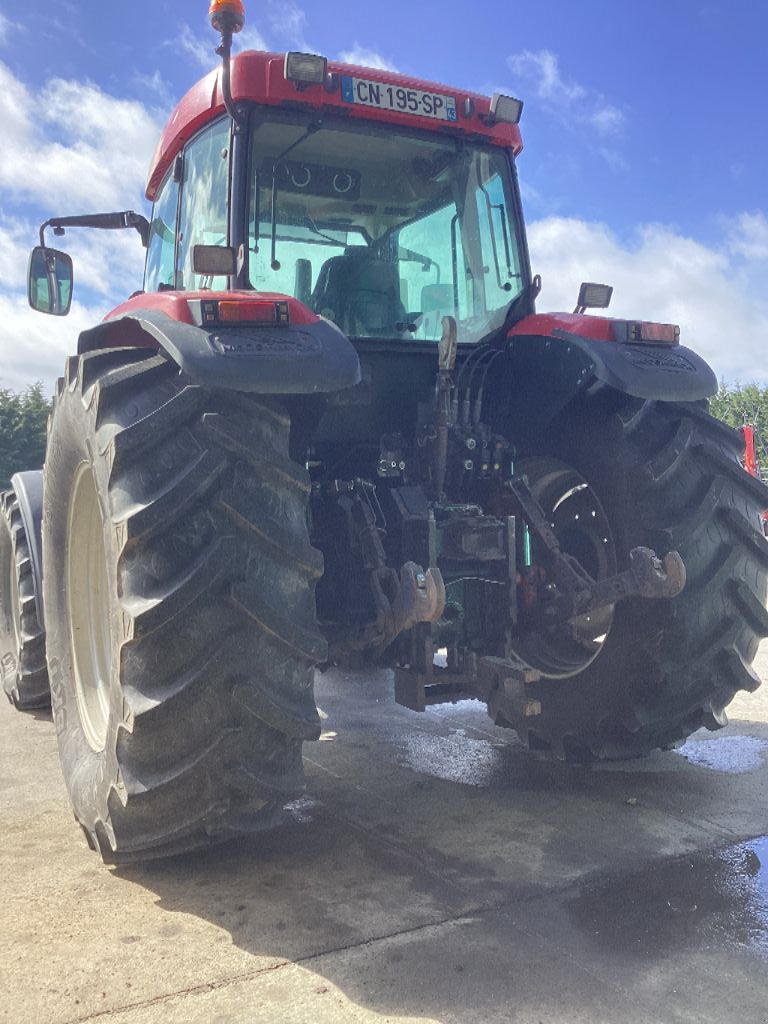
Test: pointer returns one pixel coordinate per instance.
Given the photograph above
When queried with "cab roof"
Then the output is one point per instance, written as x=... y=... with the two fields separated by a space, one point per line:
x=260 y=78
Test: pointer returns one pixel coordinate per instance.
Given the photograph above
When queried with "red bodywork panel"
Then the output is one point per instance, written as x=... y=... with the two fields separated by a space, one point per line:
x=597 y=328
x=260 y=78
x=174 y=304
x=750 y=462
x=750 y=454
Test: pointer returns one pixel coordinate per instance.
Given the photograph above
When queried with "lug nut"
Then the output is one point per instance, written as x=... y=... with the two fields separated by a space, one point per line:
x=468 y=464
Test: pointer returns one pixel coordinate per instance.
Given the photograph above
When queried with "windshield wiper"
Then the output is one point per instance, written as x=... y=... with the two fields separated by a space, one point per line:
x=311 y=129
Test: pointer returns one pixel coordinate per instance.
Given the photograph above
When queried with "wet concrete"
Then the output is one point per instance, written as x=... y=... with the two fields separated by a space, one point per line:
x=435 y=871
x=718 y=898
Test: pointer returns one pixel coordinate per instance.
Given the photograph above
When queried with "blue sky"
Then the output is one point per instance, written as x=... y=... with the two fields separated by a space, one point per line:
x=644 y=126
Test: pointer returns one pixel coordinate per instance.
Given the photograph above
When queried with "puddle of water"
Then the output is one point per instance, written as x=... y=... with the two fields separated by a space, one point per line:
x=455 y=758
x=718 y=898
x=302 y=810
x=734 y=755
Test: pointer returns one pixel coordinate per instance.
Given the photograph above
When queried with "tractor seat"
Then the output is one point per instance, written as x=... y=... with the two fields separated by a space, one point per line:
x=360 y=292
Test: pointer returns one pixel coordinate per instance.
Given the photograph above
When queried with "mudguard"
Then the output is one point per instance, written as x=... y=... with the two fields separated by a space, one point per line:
x=666 y=373
x=28 y=488
x=308 y=357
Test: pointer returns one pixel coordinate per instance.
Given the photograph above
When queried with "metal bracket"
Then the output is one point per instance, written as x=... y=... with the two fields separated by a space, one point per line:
x=647 y=577
x=500 y=682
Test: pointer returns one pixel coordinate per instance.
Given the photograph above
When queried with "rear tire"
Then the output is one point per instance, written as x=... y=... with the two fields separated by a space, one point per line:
x=22 y=639
x=180 y=718
x=669 y=477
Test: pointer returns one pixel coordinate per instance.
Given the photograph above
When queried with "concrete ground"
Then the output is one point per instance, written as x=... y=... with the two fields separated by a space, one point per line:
x=435 y=872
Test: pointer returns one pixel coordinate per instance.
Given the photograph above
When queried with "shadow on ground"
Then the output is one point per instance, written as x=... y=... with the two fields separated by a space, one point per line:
x=437 y=870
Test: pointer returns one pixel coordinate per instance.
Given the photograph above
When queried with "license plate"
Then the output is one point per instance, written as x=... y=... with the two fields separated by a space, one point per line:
x=397 y=97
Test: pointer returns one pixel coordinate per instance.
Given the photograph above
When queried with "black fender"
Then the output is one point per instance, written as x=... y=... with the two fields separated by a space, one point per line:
x=664 y=373
x=299 y=359
x=28 y=488
x=546 y=372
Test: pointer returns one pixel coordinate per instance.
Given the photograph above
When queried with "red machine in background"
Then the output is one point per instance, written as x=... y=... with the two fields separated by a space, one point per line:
x=751 y=464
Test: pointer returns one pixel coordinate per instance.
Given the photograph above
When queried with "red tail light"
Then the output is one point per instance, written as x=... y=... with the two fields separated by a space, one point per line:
x=644 y=332
x=245 y=311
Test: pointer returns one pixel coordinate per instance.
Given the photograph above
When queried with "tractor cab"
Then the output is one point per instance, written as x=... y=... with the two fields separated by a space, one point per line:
x=379 y=203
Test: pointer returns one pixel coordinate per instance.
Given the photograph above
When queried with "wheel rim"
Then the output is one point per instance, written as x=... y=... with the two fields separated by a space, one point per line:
x=88 y=601
x=583 y=530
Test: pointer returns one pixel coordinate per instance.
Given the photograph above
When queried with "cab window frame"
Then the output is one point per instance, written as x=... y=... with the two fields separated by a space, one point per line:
x=524 y=302
x=171 y=178
x=210 y=126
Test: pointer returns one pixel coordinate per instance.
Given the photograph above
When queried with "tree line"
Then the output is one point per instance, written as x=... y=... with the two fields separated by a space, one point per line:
x=23 y=424
x=24 y=416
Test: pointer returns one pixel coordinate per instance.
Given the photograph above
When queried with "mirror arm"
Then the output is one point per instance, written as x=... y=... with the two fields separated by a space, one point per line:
x=104 y=221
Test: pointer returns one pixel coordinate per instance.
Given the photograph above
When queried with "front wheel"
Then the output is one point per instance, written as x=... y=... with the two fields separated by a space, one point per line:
x=22 y=638
x=646 y=674
x=179 y=595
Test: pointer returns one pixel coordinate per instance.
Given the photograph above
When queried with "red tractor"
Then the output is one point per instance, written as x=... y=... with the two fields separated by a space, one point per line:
x=333 y=429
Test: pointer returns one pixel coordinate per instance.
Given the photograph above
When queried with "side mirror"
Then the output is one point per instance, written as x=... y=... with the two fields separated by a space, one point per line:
x=593 y=296
x=49 y=281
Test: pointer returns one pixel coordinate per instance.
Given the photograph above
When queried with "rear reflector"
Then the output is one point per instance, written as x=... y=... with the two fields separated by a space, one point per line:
x=644 y=332
x=245 y=311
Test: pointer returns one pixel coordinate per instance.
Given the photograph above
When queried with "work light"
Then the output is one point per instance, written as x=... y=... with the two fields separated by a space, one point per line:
x=305 y=68
x=593 y=296
x=505 y=109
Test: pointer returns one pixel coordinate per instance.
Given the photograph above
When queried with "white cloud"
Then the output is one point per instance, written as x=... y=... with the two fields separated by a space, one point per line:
x=201 y=49
x=73 y=147
x=606 y=119
x=8 y=28
x=365 y=57
x=34 y=346
x=158 y=88
x=16 y=239
x=613 y=158
x=749 y=237
x=540 y=71
x=288 y=21
x=69 y=148
x=250 y=39
x=663 y=276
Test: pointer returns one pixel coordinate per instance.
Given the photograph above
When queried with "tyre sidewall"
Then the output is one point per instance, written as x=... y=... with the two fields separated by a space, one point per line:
x=90 y=775
x=9 y=647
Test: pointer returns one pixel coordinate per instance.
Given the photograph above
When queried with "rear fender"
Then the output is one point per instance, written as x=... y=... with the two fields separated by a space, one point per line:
x=310 y=356
x=28 y=488
x=665 y=373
